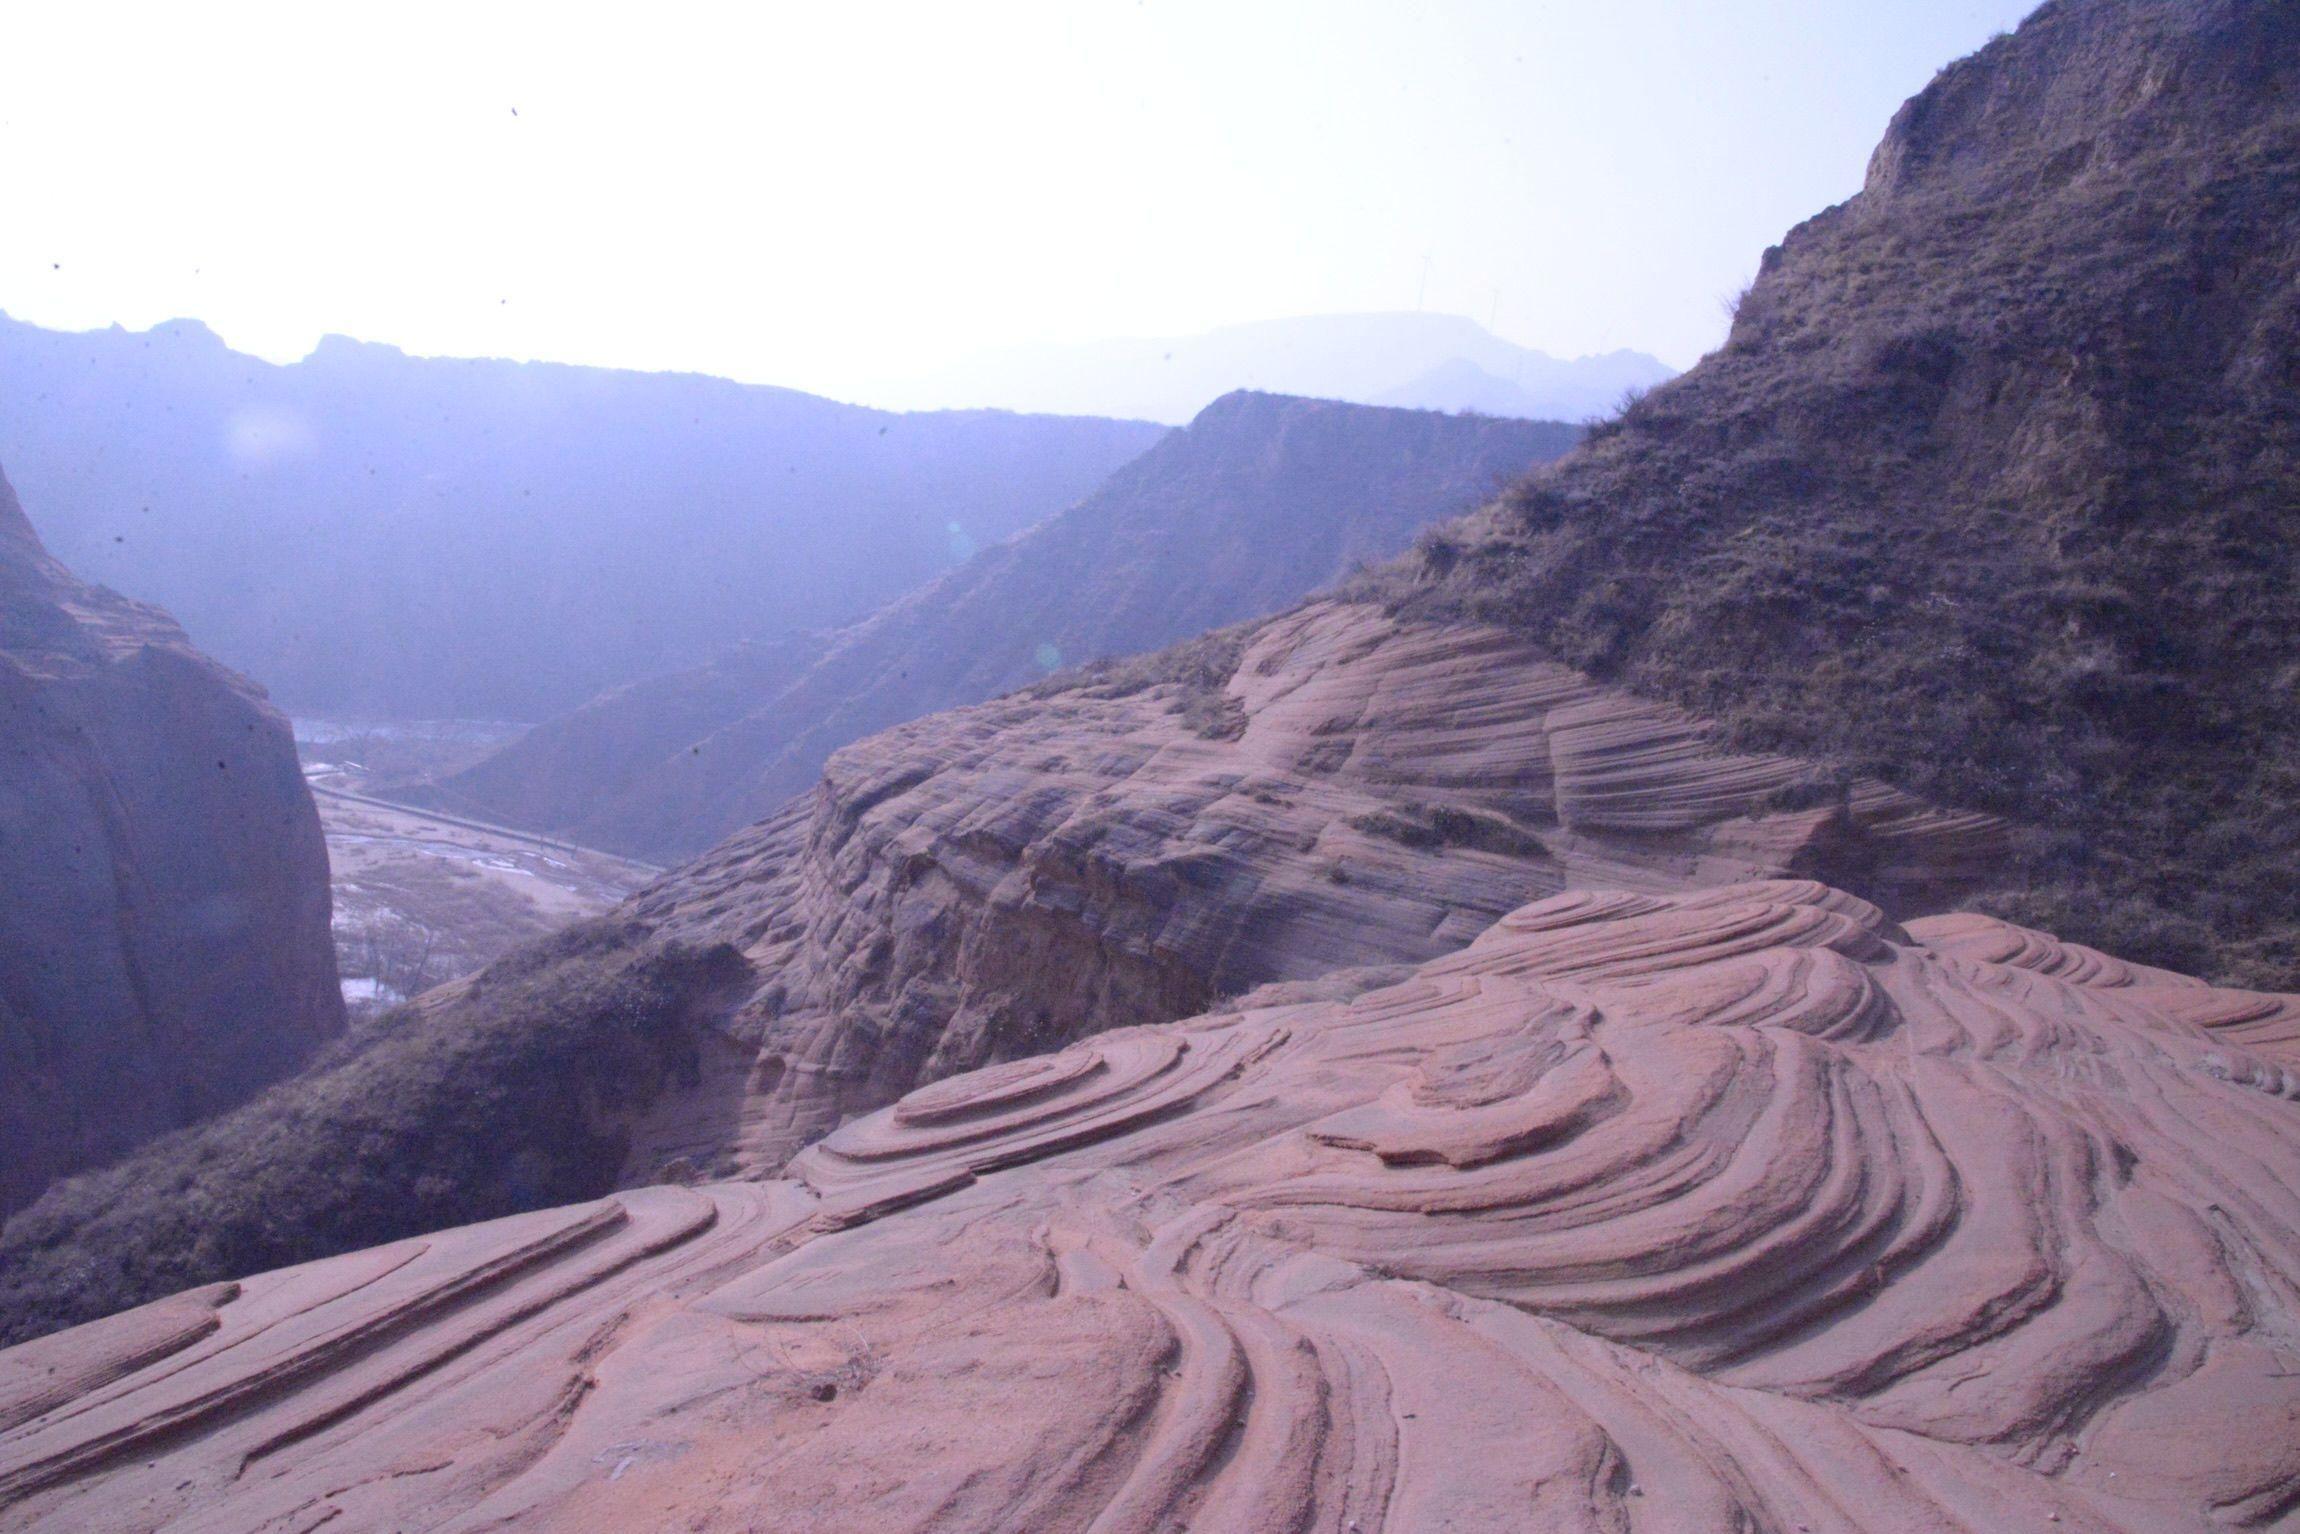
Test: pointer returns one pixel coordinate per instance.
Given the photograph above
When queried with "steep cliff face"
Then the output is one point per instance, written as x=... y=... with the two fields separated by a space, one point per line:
x=1260 y=501
x=1990 y=494
x=164 y=946
x=1746 y=1209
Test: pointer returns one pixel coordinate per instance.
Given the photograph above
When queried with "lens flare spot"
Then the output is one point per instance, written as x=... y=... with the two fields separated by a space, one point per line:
x=263 y=434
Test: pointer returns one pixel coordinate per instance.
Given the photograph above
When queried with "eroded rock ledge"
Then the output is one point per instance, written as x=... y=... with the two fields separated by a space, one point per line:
x=1341 y=789
x=1743 y=1208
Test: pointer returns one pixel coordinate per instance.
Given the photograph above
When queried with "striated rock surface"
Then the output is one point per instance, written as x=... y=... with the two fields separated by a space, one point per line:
x=1333 y=788
x=164 y=947
x=1743 y=1209
x=1838 y=554
x=1260 y=501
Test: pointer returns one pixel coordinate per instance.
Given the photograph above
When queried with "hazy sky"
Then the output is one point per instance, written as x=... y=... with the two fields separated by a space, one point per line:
x=828 y=194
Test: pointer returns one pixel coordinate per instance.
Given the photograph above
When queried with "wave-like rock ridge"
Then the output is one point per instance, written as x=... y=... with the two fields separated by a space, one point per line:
x=1742 y=1208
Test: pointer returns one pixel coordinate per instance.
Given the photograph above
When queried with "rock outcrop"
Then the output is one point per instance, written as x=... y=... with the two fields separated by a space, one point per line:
x=1331 y=789
x=1523 y=1156
x=1745 y=1209
x=164 y=947
x=1335 y=789
x=1259 y=502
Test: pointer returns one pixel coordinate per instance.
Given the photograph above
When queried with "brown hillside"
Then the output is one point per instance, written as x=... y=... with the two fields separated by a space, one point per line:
x=1994 y=492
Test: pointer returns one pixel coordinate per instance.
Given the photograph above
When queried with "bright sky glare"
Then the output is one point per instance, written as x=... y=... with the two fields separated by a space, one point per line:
x=831 y=195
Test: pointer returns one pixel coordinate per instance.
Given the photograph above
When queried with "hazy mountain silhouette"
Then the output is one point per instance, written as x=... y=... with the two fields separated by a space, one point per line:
x=1258 y=502
x=1415 y=360
x=365 y=531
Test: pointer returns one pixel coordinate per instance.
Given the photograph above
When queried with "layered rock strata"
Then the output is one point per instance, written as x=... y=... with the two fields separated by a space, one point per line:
x=1744 y=1208
x=1340 y=789
x=1330 y=789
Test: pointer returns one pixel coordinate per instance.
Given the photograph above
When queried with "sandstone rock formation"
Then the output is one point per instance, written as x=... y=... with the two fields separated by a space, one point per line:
x=164 y=946
x=1261 y=501
x=1990 y=1222
x=1339 y=789
x=1330 y=789
x=1745 y=1209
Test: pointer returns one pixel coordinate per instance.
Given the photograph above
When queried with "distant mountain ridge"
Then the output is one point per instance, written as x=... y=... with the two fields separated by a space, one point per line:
x=366 y=532
x=1258 y=502
x=1418 y=361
